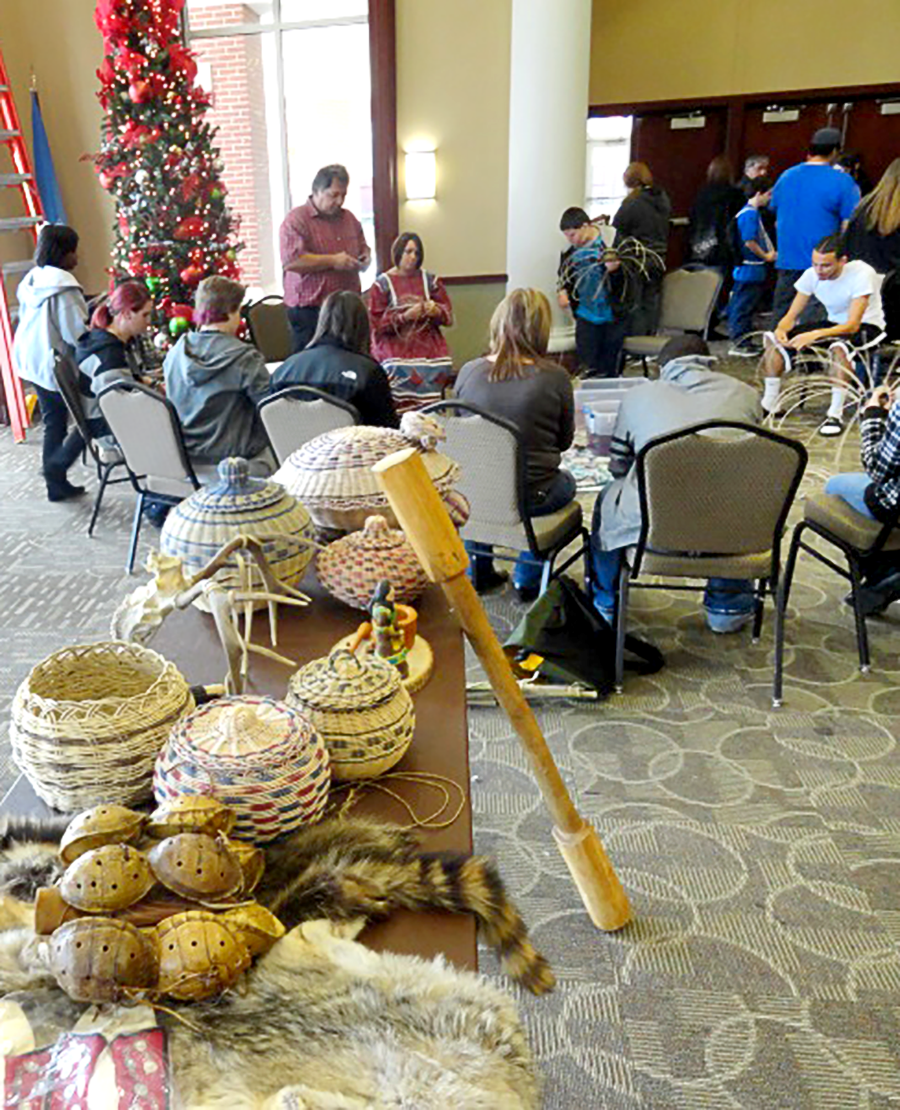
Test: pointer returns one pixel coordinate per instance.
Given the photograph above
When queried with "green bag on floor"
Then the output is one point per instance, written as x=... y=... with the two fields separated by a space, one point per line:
x=575 y=642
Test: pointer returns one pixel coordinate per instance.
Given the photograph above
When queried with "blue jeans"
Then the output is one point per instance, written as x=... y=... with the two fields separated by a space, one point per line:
x=850 y=488
x=527 y=571
x=745 y=297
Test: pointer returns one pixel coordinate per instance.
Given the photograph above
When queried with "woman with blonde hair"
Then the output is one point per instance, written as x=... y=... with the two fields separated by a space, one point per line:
x=644 y=215
x=873 y=233
x=517 y=382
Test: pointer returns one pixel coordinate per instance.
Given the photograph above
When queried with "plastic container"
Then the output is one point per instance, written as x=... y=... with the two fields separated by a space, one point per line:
x=598 y=401
x=599 y=423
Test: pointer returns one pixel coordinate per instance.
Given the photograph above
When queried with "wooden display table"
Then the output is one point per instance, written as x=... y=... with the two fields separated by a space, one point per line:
x=440 y=744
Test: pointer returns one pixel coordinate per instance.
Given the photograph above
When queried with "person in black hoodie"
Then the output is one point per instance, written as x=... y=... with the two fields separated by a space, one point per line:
x=108 y=350
x=337 y=361
x=710 y=214
x=644 y=215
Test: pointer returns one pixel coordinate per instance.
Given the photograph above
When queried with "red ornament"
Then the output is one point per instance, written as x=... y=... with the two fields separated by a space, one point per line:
x=197 y=255
x=184 y=310
x=191 y=275
x=140 y=91
x=190 y=228
x=107 y=180
x=190 y=185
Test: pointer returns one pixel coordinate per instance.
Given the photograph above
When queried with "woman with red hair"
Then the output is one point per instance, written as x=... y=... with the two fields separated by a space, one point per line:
x=108 y=350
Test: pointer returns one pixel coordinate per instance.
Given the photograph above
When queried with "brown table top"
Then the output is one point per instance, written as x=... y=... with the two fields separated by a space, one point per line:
x=440 y=744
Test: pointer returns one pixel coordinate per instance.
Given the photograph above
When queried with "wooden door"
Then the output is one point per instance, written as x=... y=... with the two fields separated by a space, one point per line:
x=678 y=159
x=874 y=136
x=785 y=142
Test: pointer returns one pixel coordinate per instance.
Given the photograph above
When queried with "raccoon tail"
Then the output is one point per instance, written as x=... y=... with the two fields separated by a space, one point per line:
x=472 y=884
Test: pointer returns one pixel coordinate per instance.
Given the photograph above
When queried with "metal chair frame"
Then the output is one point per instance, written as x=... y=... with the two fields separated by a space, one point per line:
x=143 y=494
x=65 y=372
x=690 y=267
x=547 y=558
x=628 y=572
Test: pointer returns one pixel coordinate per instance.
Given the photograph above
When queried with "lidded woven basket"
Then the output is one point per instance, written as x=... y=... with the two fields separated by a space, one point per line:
x=361 y=708
x=88 y=722
x=332 y=474
x=239 y=504
x=255 y=754
x=351 y=567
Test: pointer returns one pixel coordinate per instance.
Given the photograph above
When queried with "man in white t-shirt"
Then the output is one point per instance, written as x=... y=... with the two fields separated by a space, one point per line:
x=851 y=294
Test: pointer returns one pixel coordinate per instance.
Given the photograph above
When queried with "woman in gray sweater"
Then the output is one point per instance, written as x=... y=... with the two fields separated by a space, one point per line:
x=516 y=381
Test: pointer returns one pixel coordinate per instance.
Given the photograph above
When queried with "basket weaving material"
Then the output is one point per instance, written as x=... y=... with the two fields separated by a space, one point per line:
x=360 y=707
x=88 y=722
x=332 y=473
x=240 y=505
x=351 y=568
x=254 y=754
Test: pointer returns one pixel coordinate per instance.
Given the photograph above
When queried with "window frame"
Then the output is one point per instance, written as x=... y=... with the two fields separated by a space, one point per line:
x=381 y=20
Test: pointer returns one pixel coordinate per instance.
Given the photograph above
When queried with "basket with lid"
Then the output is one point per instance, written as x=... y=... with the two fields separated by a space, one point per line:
x=360 y=707
x=332 y=474
x=89 y=720
x=239 y=504
x=350 y=568
x=255 y=754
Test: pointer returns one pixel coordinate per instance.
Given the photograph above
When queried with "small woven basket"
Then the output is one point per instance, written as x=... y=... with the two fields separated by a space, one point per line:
x=351 y=568
x=87 y=723
x=361 y=708
x=254 y=754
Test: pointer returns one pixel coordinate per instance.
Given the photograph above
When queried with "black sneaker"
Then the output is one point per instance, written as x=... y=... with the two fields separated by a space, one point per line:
x=491 y=580
x=527 y=594
x=64 y=491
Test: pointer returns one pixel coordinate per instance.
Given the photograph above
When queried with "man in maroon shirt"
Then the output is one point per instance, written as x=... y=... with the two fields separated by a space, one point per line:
x=323 y=249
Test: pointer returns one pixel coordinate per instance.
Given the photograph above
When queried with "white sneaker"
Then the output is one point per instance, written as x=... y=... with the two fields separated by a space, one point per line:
x=831 y=426
x=743 y=352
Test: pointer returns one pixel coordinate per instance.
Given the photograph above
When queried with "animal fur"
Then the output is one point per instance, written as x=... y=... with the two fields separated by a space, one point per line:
x=321 y=1023
x=343 y=869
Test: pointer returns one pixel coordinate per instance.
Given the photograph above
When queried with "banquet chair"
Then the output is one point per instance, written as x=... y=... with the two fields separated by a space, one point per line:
x=493 y=479
x=269 y=329
x=688 y=299
x=148 y=431
x=298 y=413
x=714 y=500
x=106 y=459
x=857 y=538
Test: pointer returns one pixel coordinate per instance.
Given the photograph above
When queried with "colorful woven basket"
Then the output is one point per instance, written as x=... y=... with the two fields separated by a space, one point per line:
x=240 y=505
x=254 y=754
x=360 y=707
x=332 y=474
x=88 y=722
x=351 y=568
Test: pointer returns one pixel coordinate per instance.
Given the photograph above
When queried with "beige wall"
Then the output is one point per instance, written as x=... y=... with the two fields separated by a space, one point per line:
x=667 y=49
x=64 y=63
x=453 y=91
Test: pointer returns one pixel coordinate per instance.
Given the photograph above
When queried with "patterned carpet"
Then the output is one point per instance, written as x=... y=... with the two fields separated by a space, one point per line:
x=760 y=848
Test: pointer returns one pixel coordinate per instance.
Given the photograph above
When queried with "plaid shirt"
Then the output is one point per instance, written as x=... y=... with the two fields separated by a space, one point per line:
x=306 y=231
x=880 y=433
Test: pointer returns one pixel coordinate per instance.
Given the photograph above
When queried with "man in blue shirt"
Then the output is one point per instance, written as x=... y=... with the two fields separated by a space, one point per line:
x=811 y=201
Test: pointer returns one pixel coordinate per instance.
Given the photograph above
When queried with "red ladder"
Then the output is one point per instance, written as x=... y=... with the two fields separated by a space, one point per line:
x=22 y=179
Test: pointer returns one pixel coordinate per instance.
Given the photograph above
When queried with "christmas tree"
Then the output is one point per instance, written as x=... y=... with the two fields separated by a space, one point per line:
x=159 y=161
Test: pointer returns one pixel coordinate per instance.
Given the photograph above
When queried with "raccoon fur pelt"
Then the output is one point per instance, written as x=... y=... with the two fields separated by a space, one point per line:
x=340 y=869
x=320 y=1023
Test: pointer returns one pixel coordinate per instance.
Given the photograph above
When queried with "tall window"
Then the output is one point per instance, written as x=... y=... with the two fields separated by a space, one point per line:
x=291 y=92
x=608 y=154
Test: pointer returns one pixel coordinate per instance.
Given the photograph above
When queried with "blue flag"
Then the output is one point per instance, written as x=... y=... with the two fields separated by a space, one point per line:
x=44 y=173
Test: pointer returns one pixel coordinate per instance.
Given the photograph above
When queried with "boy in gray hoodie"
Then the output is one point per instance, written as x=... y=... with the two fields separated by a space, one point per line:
x=215 y=380
x=52 y=316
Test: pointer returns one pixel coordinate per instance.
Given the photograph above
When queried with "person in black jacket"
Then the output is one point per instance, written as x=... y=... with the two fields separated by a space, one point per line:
x=873 y=233
x=337 y=361
x=644 y=215
x=710 y=214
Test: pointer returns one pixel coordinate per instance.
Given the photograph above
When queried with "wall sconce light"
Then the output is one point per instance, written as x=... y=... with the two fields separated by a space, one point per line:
x=421 y=174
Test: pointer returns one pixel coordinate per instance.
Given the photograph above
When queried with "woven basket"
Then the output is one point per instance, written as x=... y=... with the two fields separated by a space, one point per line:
x=240 y=505
x=332 y=474
x=254 y=754
x=360 y=707
x=351 y=568
x=88 y=722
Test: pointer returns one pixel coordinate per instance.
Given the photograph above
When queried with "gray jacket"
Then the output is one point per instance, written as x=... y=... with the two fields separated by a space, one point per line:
x=686 y=393
x=214 y=381
x=52 y=315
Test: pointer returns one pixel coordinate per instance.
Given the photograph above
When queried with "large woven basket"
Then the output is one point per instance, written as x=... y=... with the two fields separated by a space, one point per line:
x=332 y=474
x=88 y=722
x=254 y=754
x=351 y=567
x=360 y=707
x=240 y=505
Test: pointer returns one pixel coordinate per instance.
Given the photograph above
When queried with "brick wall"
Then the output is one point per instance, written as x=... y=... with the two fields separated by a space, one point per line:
x=238 y=110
